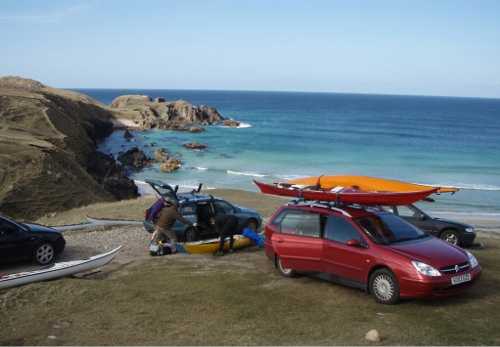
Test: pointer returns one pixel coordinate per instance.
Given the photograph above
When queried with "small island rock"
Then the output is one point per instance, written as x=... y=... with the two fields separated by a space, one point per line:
x=170 y=165
x=195 y=145
x=196 y=129
x=161 y=155
x=172 y=115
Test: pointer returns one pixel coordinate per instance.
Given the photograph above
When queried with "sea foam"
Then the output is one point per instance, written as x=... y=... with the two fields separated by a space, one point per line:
x=241 y=126
x=244 y=173
x=467 y=186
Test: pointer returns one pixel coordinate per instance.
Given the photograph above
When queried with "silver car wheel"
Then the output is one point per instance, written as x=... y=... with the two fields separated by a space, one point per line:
x=383 y=287
x=44 y=254
x=451 y=238
x=285 y=271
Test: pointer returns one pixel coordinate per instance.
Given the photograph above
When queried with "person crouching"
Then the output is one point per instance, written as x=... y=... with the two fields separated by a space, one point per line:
x=166 y=220
x=226 y=226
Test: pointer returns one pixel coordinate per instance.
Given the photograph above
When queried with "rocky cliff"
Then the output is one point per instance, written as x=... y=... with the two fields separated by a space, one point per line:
x=48 y=159
x=161 y=114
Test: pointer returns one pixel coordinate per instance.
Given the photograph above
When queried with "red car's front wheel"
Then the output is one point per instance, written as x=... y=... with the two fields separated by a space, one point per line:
x=384 y=287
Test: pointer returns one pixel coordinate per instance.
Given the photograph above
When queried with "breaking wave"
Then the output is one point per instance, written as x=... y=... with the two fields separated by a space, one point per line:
x=289 y=177
x=244 y=173
x=244 y=125
x=467 y=186
x=241 y=126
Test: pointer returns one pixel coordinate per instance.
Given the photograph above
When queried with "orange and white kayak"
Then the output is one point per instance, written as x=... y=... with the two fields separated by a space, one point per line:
x=346 y=196
x=367 y=184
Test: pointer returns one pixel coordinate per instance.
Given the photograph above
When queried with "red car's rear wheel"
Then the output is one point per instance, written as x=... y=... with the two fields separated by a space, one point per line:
x=287 y=272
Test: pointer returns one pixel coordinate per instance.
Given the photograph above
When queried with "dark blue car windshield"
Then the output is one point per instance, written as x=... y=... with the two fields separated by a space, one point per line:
x=387 y=228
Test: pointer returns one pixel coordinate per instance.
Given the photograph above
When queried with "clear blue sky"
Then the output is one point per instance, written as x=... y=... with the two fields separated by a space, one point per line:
x=397 y=47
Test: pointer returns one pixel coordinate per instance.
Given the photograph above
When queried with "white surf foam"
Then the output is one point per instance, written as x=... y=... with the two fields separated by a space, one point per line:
x=200 y=168
x=289 y=177
x=241 y=126
x=244 y=125
x=243 y=173
x=495 y=215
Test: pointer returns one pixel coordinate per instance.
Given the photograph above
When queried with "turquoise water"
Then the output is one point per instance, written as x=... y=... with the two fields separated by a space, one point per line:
x=433 y=140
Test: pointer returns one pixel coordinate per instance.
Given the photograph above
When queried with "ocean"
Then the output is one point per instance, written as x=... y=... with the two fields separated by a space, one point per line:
x=433 y=140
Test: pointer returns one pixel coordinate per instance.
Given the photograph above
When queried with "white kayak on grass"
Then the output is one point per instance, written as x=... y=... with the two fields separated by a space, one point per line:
x=93 y=223
x=62 y=269
x=106 y=221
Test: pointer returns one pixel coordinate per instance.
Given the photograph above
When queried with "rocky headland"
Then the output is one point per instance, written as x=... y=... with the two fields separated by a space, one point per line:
x=181 y=115
x=48 y=156
x=48 y=145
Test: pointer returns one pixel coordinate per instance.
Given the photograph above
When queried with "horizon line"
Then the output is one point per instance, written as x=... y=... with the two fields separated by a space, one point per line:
x=287 y=91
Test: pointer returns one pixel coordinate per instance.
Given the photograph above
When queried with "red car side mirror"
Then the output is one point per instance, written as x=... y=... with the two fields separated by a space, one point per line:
x=354 y=243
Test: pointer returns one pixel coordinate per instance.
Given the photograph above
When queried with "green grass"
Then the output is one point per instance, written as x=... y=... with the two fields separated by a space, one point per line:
x=234 y=300
x=239 y=300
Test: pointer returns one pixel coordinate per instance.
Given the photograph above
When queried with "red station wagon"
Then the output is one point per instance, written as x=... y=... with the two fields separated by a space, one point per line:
x=367 y=248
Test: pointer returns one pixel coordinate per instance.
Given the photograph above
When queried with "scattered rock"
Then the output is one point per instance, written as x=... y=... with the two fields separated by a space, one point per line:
x=161 y=155
x=196 y=129
x=160 y=99
x=128 y=135
x=170 y=165
x=134 y=158
x=231 y=123
x=372 y=336
x=195 y=145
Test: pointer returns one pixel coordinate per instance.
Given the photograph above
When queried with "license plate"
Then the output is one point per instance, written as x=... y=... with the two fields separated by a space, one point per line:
x=460 y=279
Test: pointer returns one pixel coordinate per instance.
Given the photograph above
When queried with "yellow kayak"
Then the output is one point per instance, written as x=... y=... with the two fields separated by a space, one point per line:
x=366 y=183
x=212 y=245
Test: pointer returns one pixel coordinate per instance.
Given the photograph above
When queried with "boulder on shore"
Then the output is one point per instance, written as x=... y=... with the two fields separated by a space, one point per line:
x=134 y=158
x=372 y=336
x=170 y=165
x=194 y=145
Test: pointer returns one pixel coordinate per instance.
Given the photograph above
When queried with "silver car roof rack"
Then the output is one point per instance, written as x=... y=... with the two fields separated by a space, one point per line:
x=322 y=204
